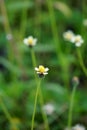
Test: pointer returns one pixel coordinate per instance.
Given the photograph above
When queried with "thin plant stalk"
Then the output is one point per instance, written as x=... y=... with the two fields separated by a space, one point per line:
x=54 y=29
x=37 y=16
x=24 y=20
x=33 y=58
x=35 y=103
x=60 y=55
x=81 y=62
x=40 y=92
x=71 y=106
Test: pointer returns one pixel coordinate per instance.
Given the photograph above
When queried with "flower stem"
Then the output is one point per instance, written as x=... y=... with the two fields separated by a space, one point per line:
x=36 y=96
x=71 y=107
x=81 y=62
x=33 y=58
x=41 y=100
x=34 y=64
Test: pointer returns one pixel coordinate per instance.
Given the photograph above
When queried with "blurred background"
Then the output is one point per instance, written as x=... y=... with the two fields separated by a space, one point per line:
x=45 y=20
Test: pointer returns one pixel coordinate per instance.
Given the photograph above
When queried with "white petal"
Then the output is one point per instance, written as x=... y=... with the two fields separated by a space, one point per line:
x=40 y=65
x=25 y=41
x=82 y=41
x=78 y=44
x=34 y=41
x=30 y=37
x=46 y=69
x=45 y=73
x=38 y=72
x=71 y=32
x=36 y=69
x=68 y=35
x=78 y=36
x=73 y=39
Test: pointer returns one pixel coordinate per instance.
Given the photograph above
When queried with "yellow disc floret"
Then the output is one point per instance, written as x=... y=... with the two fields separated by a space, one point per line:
x=30 y=41
x=41 y=69
x=78 y=38
x=68 y=36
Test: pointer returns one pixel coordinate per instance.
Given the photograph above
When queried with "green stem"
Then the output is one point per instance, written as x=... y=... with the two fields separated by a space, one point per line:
x=34 y=63
x=60 y=56
x=23 y=20
x=81 y=62
x=37 y=22
x=54 y=28
x=40 y=92
x=33 y=58
x=36 y=96
x=71 y=107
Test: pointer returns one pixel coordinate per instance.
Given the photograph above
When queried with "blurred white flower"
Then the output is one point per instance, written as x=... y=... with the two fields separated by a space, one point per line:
x=9 y=36
x=41 y=70
x=85 y=22
x=30 y=41
x=78 y=127
x=49 y=109
x=77 y=39
x=68 y=35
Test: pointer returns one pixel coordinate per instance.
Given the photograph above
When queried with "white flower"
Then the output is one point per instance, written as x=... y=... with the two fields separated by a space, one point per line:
x=48 y=108
x=85 y=22
x=68 y=35
x=78 y=127
x=30 y=41
x=9 y=36
x=77 y=40
x=41 y=70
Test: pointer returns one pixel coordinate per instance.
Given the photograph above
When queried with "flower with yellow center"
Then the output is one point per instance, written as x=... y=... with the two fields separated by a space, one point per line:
x=30 y=41
x=41 y=70
x=68 y=35
x=77 y=40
